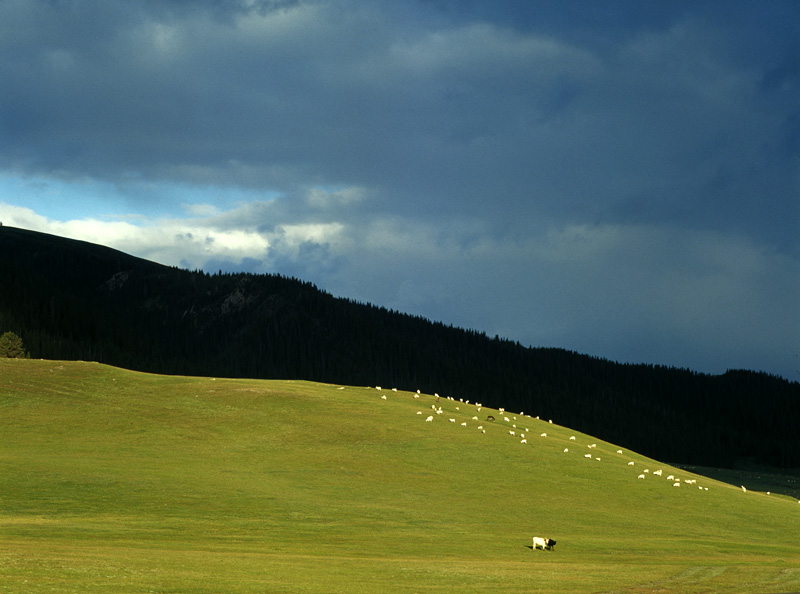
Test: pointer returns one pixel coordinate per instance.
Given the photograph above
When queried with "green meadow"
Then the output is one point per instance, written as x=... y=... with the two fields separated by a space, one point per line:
x=119 y=482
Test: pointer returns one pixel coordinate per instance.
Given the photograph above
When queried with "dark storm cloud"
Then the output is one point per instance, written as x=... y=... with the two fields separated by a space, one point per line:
x=276 y=95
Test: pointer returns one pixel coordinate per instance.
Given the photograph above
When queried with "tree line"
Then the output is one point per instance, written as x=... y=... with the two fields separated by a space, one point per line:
x=73 y=300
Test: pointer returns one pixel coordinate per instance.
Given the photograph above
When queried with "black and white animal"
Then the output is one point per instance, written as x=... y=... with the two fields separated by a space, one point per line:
x=543 y=543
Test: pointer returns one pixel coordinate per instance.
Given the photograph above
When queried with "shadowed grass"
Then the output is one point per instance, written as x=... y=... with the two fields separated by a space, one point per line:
x=118 y=481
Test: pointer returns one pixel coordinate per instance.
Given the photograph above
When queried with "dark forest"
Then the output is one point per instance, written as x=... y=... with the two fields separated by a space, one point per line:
x=74 y=300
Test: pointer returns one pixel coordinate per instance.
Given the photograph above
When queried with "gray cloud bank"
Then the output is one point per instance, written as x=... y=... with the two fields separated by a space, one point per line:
x=622 y=182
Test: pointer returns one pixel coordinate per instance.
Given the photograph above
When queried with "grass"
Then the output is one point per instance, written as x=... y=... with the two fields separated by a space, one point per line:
x=114 y=481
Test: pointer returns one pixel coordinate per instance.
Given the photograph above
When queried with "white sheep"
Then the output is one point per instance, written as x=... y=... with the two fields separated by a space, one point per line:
x=587 y=456
x=641 y=476
x=383 y=397
x=619 y=451
x=544 y=434
x=464 y=424
x=676 y=484
x=512 y=432
x=429 y=419
x=630 y=463
x=572 y=438
x=566 y=449
x=657 y=472
x=452 y=420
x=524 y=441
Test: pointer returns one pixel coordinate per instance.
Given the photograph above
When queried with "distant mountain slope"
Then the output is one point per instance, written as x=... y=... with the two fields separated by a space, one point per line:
x=75 y=300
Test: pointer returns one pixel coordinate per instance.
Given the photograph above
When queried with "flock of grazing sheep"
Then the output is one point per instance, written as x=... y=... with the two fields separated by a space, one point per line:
x=518 y=426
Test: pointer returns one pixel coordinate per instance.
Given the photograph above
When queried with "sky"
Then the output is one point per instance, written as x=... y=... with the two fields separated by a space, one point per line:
x=617 y=178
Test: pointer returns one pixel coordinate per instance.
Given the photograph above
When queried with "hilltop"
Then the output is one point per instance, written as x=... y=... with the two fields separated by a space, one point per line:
x=117 y=481
x=79 y=301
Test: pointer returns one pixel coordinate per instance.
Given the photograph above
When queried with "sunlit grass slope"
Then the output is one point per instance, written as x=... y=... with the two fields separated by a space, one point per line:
x=114 y=481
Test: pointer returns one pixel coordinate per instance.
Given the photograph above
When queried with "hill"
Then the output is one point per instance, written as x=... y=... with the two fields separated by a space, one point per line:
x=78 y=301
x=116 y=481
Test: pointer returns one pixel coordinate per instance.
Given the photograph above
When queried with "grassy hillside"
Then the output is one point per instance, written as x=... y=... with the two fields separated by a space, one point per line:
x=115 y=481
